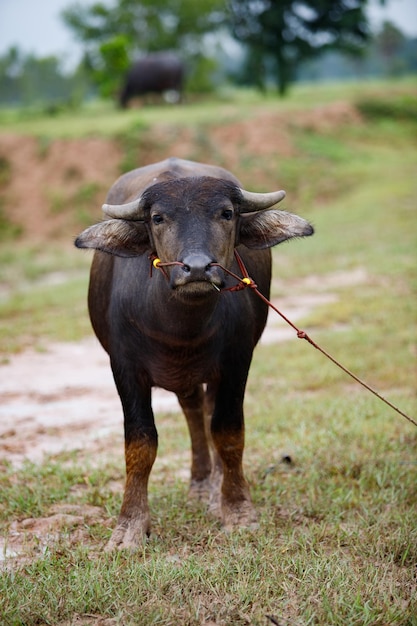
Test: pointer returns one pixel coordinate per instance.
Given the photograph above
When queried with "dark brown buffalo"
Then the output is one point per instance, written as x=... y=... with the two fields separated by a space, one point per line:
x=156 y=73
x=179 y=331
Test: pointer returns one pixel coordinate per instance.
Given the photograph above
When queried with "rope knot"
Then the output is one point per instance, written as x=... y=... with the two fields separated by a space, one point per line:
x=248 y=282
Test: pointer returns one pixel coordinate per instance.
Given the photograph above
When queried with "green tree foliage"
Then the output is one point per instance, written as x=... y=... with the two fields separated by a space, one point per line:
x=10 y=65
x=115 y=62
x=281 y=34
x=390 y=43
x=115 y=35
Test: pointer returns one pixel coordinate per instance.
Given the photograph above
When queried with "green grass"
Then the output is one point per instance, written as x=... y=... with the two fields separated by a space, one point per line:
x=103 y=117
x=332 y=469
x=43 y=295
x=336 y=543
x=36 y=315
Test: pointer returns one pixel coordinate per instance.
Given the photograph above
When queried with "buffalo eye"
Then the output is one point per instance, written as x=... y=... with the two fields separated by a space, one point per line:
x=157 y=219
x=227 y=214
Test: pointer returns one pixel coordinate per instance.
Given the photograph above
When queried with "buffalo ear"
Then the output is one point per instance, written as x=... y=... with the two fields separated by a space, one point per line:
x=118 y=237
x=268 y=228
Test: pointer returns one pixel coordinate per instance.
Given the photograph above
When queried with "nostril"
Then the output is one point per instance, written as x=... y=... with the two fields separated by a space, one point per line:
x=197 y=266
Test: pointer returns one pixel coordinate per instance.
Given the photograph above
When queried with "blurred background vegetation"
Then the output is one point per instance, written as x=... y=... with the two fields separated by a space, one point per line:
x=267 y=44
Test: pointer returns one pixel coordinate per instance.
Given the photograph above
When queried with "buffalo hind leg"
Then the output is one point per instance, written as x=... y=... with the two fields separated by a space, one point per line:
x=229 y=440
x=193 y=408
x=235 y=502
x=216 y=476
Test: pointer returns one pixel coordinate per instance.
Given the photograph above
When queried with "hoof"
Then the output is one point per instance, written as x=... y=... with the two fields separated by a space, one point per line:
x=128 y=535
x=199 y=490
x=214 y=506
x=240 y=515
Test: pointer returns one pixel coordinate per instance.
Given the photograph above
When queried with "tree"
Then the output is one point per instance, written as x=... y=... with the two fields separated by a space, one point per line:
x=280 y=34
x=27 y=79
x=10 y=69
x=114 y=35
x=390 y=44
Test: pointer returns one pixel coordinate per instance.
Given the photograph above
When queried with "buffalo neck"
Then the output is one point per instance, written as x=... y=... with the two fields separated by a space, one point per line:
x=163 y=310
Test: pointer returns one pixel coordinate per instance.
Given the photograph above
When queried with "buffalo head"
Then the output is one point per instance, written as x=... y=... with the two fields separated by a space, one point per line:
x=196 y=221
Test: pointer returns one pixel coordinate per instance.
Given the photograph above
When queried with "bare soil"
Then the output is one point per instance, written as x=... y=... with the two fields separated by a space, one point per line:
x=46 y=181
x=64 y=397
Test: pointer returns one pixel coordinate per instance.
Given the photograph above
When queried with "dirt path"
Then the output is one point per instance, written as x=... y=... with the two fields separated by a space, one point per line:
x=64 y=398
x=60 y=399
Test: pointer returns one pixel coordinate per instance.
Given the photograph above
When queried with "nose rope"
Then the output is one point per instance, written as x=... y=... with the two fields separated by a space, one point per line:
x=245 y=282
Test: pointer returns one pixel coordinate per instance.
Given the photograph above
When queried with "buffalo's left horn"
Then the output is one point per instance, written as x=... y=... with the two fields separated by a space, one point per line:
x=128 y=211
x=260 y=201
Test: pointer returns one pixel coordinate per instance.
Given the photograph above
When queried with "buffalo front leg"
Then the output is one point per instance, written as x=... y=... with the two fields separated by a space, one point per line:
x=141 y=442
x=193 y=407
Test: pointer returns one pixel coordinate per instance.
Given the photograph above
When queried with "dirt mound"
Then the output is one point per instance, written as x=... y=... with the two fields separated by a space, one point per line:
x=52 y=188
x=48 y=185
x=235 y=145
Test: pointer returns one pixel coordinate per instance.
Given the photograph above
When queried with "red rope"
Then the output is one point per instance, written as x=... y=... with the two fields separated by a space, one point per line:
x=245 y=282
x=301 y=334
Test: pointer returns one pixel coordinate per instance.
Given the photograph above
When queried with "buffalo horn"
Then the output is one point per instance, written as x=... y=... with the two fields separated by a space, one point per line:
x=252 y=202
x=260 y=201
x=128 y=211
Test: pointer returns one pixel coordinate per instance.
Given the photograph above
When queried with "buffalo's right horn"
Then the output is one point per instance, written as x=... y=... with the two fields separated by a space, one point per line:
x=129 y=211
x=260 y=201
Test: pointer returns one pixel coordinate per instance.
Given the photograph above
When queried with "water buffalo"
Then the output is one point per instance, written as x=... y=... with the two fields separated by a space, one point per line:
x=156 y=73
x=179 y=328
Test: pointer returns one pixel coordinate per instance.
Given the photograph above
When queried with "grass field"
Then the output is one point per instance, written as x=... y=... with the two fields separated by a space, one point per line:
x=333 y=471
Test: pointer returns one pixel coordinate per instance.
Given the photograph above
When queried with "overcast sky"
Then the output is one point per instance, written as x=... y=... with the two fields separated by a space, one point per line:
x=35 y=26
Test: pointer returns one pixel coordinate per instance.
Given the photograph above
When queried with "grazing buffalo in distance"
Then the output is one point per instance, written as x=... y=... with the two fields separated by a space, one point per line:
x=178 y=327
x=156 y=73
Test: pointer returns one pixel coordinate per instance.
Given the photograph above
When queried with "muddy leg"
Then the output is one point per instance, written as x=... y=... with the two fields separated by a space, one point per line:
x=140 y=451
